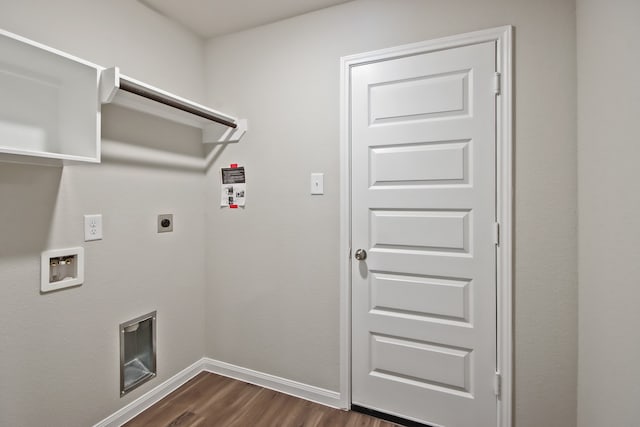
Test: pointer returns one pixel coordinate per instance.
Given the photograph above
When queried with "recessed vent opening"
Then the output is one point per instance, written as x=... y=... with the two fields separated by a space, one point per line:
x=137 y=352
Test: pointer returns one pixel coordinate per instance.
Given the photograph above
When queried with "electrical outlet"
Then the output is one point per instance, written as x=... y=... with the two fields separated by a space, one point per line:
x=92 y=227
x=165 y=223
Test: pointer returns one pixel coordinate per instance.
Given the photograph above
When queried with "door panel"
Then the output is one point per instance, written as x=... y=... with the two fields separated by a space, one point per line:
x=423 y=207
x=420 y=164
x=420 y=362
x=420 y=230
x=418 y=99
x=420 y=296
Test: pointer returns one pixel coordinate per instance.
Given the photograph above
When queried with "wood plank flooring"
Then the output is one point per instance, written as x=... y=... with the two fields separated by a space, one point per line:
x=210 y=400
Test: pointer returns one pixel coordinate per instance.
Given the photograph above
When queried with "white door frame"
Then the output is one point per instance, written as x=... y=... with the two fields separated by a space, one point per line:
x=504 y=202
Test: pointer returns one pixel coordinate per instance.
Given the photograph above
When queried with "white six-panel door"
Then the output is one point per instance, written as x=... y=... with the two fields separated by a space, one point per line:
x=423 y=173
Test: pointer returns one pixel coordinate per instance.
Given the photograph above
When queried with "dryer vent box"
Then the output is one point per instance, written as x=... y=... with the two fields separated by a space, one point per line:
x=137 y=352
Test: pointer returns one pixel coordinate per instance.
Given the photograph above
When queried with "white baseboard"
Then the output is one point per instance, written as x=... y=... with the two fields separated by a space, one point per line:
x=282 y=385
x=151 y=397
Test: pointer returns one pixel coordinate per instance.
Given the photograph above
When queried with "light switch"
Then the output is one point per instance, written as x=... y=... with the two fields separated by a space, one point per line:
x=317 y=183
x=92 y=227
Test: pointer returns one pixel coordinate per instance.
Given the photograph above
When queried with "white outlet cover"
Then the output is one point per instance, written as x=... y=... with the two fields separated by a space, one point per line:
x=92 y=227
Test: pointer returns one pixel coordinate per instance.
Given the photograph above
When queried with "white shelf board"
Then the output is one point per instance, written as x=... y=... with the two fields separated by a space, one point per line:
x=49 y=111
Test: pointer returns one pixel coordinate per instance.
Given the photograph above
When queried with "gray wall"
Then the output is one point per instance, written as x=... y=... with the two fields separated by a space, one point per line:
x=269 y=272
x=272 y=294
x=609 y=202
x=59 y=351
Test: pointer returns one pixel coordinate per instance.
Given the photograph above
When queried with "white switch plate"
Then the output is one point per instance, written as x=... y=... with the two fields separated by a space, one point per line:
x=92 y=227
x=317 y=183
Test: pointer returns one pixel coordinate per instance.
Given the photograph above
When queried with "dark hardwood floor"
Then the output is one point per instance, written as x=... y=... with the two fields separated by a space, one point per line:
x=210 y=400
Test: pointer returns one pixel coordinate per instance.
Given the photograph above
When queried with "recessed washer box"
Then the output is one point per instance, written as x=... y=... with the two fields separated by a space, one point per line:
x=61 y=268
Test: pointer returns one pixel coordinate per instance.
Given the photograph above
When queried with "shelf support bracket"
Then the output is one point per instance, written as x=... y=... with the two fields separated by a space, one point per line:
x=211 y=133
x=109 y=84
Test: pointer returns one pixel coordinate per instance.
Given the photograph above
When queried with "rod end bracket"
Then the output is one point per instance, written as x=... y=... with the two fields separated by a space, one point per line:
x=109 y=84
x=211 y=133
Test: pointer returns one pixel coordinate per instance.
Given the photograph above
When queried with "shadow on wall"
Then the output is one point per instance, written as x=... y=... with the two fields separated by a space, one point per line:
x=29 y=194
x=142 y=140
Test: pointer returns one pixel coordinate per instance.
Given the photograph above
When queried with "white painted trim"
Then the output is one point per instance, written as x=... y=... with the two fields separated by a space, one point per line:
x=151 y=397
x=344 y=253
x=272 y=382
x=282 y=385
x=504 y=209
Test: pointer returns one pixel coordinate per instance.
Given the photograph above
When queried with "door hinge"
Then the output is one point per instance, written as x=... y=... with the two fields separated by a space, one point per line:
x=497 y=385
x=496 y=233
x=497 y=86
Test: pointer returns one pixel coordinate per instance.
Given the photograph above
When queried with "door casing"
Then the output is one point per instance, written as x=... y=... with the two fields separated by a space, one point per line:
x=504 y=201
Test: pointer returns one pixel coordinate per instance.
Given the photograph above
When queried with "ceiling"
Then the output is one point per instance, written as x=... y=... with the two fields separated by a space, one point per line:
x=211 y=18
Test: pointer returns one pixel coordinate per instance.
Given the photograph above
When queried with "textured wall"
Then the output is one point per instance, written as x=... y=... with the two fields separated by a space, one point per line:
x=59 y=352
x=609 y=201
x=273 y=292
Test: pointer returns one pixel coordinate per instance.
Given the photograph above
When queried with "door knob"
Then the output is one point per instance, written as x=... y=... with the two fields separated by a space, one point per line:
x=361 y=255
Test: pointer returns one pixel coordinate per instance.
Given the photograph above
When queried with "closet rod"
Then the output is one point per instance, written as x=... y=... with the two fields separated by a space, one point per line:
x=135 y=89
